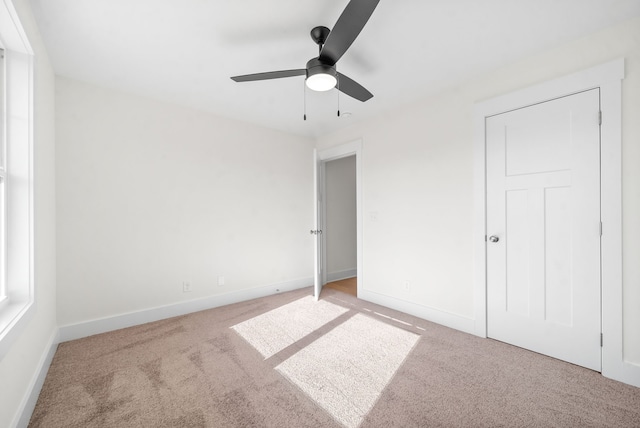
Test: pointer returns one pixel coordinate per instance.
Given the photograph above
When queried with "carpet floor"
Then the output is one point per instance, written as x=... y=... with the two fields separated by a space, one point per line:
x=211 y=369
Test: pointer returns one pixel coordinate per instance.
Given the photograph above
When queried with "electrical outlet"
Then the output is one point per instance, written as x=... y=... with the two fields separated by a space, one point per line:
x=186 y=287
x=220 y=280
x=407 y=286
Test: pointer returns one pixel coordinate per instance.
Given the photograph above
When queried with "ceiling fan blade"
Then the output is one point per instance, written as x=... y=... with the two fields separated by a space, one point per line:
x=351 y=22
x=270 y=75
x=353 y=88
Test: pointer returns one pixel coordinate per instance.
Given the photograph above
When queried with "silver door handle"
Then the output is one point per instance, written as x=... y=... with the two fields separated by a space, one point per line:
x=316 y=232
x=494 y=238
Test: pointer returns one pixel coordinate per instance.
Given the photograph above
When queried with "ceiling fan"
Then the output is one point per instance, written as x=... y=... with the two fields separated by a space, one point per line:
x=320 y=72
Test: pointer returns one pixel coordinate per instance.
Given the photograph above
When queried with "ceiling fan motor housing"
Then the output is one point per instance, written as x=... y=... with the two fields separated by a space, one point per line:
x=320 y=76
x=315 y=66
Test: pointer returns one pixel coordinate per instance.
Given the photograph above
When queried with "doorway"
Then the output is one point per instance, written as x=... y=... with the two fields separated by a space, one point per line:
x=340 y=224
x=334 y=254
x=607 y=78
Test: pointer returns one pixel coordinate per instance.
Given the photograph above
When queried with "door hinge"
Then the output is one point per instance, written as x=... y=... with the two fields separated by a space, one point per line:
x=601 y=339
x=600 y=117
x=600 y=228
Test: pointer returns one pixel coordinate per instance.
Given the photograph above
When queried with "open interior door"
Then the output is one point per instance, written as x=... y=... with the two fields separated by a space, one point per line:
x=317 y=231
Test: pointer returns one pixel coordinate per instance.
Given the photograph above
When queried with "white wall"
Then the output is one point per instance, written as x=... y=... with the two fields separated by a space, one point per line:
x=340 y=222
x=417 y=178
x=152 y=194
x=22 y=363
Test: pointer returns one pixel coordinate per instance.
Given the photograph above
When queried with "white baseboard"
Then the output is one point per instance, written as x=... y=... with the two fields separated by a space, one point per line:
x=29 y=401
x=341 y=274
x=626 y=372
x=623 y=371
x=437 y=316
x=103 y=325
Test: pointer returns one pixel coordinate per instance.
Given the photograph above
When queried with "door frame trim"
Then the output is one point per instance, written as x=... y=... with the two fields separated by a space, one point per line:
x=338 y=152
x=608 y=78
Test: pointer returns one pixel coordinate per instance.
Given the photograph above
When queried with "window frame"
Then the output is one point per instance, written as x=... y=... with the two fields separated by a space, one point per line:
x=3 y=180
x=18 y=305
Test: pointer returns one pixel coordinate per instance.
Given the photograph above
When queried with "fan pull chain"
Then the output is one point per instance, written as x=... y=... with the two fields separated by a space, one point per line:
x=304 y=89
x=338 y=87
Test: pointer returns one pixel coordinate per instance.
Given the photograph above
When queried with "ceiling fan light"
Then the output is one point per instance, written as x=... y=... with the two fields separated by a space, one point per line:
x=320 y=77
x=321 y=82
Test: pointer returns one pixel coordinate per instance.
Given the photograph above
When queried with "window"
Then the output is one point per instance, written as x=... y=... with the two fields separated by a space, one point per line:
x=16 y=182
x=3 y=179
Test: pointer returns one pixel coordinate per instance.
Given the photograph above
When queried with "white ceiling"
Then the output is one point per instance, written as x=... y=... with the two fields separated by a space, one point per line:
x=184 y=51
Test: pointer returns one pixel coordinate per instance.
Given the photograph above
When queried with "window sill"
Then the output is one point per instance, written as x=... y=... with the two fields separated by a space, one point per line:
x=14 y=316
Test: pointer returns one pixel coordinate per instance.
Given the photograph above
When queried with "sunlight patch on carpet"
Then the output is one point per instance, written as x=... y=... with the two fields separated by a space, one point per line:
x=275 y=330
x=346 y=370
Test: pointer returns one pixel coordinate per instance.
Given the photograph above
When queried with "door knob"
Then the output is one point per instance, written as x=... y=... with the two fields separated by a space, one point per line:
x=494 y=238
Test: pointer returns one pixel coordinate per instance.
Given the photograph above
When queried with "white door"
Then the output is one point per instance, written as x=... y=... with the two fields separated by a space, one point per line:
x=543 y=226
x=317 y=231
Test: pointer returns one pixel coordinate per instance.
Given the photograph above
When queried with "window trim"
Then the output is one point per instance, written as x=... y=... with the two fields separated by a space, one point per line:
x=3 y=180
x=19 y=305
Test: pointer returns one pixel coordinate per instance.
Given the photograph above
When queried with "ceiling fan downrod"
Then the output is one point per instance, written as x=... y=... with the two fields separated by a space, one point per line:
x=319 y=35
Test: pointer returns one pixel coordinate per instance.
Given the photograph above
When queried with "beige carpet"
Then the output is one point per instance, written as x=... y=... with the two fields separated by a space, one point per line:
x=196 y=371
x=279 y=328
x=346 y=370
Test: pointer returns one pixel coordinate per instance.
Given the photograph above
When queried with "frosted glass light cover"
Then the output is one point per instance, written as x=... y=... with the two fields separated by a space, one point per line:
x=321 y=82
